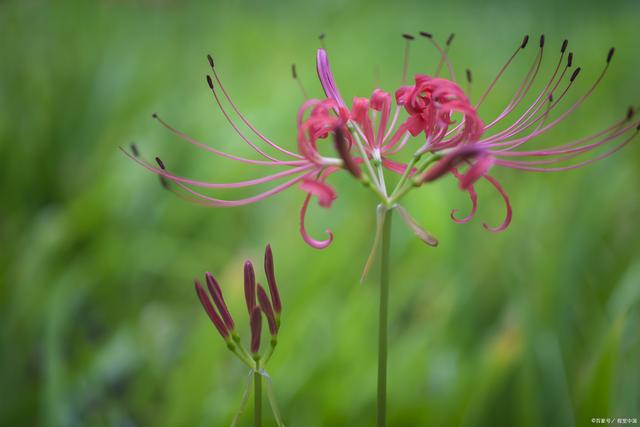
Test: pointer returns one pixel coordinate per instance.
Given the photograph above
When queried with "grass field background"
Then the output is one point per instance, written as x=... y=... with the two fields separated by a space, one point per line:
x=99 y=324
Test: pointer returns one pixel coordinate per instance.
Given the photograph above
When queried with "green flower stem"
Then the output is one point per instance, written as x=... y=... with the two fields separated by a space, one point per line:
x=238 y=349
x=410 y=183
x=257 y=396
x=407 y=171
x=383 y=316
x=269 y=353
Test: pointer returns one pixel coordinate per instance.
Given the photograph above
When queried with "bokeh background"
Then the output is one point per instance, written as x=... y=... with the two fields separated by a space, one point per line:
x=536 y=326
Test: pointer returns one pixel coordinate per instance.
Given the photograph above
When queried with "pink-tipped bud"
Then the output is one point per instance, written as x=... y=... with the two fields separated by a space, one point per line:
x=218 y=299
x=271 y=279
x=249 y=286
x=211 y=312
x=267 y=309
x=450 y=161
x=342 y=147
x=255 y=322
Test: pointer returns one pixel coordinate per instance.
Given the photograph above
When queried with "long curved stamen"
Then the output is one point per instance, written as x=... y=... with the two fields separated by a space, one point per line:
x=204 y=184
x=443 y=55
x=244 y=120
x=210 y=201
x=524 y=165
x=615 y=130
x=504 y=136
x=233 y=125
x=571 y=109
x=483 y=97
x=295 y=76
x=516 y=165
x=204 y=146
x=524 y=87
x=520 y=124
x=502 y=70
x=405 y=66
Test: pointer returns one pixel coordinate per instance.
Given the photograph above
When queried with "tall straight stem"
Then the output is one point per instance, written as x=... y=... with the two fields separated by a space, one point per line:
x=383 y=316
x=257 y=392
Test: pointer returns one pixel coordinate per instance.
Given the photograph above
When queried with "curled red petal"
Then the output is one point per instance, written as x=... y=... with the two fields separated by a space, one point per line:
x=507 y=219
x=325 y=194
x=477 y=170
x=318 y=244
x=474 y=202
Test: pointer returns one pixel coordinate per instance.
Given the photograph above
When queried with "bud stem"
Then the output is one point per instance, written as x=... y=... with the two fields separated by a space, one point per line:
x=257 y=396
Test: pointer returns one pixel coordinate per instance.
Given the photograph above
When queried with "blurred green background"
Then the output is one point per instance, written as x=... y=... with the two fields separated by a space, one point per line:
x=536 y=326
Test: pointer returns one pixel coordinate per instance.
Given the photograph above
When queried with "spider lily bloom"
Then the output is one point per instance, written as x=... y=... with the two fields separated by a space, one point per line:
x=444 y=129
x=307 y=168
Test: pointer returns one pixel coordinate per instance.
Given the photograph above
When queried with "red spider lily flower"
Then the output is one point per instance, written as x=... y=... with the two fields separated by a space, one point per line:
x=433 y=117
x=447 y=125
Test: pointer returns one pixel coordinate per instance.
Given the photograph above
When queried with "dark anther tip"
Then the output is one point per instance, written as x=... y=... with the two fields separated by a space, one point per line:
x=425 y=34
x=210 y=59
x=542 y=40
x=570 y=59
x=408 y=36
x=164 y=182
x=450 y=39
x=575 y=74
x=638 y=128
x=469 y=75
x=610 y=54
x=550 y=97
x=321 y=36
x=160 y=163
x=293 y=71
x=154 y=115
x=134 y=149
x=564 y=45
x=209 y=81
x=630 y=113
x=525 y=40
